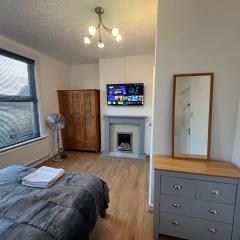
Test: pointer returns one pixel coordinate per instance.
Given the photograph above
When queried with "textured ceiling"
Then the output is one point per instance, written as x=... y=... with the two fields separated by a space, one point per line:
x=57 y=27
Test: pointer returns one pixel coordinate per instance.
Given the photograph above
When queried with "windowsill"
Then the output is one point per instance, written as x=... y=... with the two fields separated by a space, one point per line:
x=19 y=145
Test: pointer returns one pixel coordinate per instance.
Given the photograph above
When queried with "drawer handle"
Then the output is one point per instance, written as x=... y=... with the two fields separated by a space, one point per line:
x=215 y=192
x=177 y=205
x=213 y=211
x=176 y=223
x=212 y=230
x=177 y=187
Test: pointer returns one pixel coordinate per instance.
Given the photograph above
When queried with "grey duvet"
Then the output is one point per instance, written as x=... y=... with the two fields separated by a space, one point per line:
x=66 y=211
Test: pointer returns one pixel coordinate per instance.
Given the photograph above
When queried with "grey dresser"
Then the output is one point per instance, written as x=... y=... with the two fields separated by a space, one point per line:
x=196 y=200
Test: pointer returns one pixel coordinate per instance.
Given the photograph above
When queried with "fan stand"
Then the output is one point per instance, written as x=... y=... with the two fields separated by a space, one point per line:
x=59 y=156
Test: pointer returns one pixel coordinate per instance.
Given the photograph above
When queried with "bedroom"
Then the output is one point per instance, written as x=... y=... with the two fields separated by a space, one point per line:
x=159 y=39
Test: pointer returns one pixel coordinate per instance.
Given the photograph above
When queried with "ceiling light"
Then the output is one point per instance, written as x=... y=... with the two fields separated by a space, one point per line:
x=119 y=38
x=115 y=32
x=98 y=29
x=92 y=30
x=101 y=44
x=87 y=40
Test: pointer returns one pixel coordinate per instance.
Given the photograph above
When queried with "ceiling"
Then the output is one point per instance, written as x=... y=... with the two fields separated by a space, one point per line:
x=57 y=27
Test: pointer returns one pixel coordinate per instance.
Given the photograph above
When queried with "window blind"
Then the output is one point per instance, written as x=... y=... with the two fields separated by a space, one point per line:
x=19 y=121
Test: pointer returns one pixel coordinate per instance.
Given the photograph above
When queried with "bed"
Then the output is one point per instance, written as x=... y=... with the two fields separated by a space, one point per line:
x=66 y=211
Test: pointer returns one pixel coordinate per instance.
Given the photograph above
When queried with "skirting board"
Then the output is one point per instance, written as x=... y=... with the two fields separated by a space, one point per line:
x=37 y=162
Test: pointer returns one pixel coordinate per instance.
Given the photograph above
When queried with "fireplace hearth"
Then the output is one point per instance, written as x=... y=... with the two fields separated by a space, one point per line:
x=124 y=142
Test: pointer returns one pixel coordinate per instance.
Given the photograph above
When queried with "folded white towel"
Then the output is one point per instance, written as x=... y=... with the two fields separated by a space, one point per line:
x=43 y=177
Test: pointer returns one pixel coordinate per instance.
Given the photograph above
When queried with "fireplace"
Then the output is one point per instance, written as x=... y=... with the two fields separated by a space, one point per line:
x=124 y=142
x=124 y=137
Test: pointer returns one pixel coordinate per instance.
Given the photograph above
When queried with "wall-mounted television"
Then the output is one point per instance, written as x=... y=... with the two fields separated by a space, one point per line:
x=125 y=94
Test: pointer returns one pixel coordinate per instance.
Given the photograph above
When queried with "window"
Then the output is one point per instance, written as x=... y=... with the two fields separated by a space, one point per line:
x=19 y=120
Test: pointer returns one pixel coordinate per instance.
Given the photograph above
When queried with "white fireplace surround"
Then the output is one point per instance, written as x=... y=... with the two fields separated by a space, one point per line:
x=134 y=125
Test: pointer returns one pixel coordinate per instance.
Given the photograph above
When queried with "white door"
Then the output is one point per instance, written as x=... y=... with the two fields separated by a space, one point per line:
x=186 y=113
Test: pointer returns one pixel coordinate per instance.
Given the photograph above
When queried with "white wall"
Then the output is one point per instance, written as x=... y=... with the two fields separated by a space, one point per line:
x=131 y=69
x=198 y=36
x=51 y=75
x=236 y=146
x=84 y=76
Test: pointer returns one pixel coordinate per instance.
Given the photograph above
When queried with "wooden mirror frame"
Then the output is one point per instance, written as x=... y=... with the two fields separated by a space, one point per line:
x=211 y=75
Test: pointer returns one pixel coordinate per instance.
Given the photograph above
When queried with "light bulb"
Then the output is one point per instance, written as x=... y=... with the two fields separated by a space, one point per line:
x=87 y=40
x=101 y=44
x=119 y=38
x=92 y=30
x=115 y=32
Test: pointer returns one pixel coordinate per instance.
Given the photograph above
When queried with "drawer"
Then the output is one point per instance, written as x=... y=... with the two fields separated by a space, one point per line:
x=193 y=226
x=196 y=208
x=216 y=192
x=178 y=186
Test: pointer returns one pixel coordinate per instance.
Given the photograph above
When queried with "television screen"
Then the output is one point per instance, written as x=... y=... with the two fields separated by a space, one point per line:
x=125 y=94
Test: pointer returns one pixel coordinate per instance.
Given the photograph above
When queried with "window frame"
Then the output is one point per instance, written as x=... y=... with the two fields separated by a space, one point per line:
x=32 y=98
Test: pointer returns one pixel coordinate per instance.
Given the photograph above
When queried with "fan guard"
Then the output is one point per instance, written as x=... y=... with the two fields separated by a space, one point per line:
x=56 y=123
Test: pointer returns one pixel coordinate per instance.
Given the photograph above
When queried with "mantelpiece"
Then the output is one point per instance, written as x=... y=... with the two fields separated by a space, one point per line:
x=196 y=200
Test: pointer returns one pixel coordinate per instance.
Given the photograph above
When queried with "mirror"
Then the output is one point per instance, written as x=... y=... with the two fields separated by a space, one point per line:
x=192 y=111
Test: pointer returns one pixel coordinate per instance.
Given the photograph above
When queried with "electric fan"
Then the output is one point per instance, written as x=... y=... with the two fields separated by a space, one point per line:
x=56 y=123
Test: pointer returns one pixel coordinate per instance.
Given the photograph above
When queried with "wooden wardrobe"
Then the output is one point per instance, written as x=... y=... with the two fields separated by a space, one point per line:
x=81 y=109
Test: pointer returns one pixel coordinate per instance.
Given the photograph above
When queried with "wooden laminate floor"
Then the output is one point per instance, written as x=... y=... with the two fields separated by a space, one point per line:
x=128 y=217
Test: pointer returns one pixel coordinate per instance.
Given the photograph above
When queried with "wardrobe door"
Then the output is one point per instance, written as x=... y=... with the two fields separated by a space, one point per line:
x=65 y=100
x=88 y=120
x=77 y=115
x=97 y=121
x=65 y=105
x=68 y=133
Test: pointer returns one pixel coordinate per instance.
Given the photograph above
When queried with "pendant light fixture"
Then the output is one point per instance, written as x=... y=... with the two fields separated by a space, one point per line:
x=92 y=30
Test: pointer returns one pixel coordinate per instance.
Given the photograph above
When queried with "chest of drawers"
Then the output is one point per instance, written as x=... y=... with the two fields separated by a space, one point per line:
x=196 y=204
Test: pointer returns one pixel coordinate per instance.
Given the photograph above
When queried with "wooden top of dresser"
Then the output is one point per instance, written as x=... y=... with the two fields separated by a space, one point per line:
x=204 y=167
